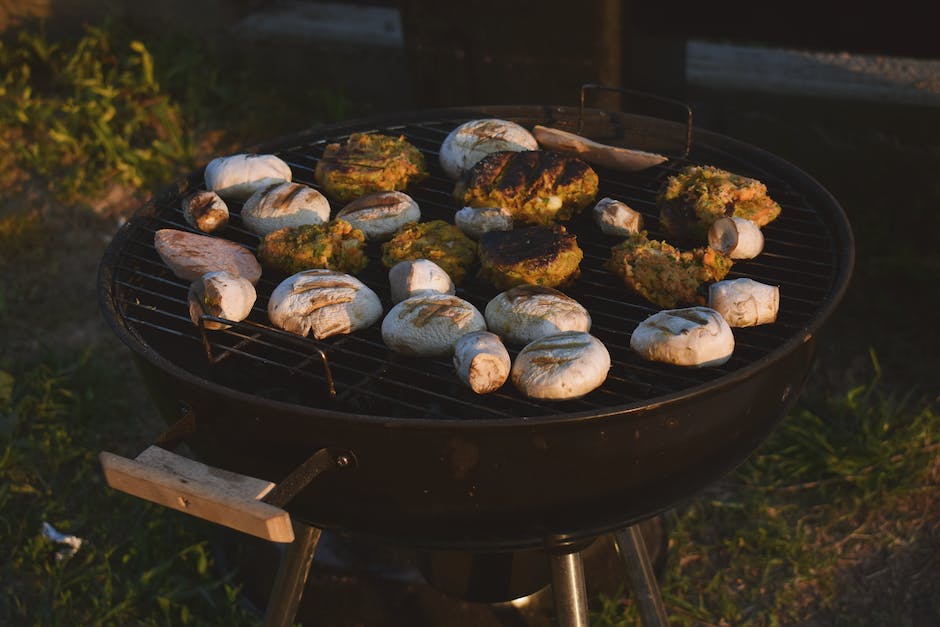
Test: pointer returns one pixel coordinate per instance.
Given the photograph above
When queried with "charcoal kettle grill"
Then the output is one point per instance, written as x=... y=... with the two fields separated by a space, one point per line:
x=347 y=436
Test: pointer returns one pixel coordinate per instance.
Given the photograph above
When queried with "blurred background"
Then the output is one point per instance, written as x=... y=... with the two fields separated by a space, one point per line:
x=102 y=103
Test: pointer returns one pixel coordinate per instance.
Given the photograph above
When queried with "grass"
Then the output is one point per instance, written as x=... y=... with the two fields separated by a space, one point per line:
x=145 y=566
x=835 y=521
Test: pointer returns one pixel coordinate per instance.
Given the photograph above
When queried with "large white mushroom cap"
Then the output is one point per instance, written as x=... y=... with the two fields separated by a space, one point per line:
x=285 y=204
x=429 y=324
x=694 y=336
x=237 y=177
x=561 y=366
x=527 y=312
x=416 y=276
x=381 y=214
x=473 y=140
x=323 y=303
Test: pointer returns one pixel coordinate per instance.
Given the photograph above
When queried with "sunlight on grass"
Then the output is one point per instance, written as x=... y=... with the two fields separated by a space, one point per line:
x=823 y=489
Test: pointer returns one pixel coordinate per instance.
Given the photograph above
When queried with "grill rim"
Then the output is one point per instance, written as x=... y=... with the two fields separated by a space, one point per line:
x=834 y=217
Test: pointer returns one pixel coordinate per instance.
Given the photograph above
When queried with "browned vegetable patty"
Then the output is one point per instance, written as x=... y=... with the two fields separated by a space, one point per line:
x=369 y=162
x=663 y=274
x=536 y=255
x=537 y=186
x=437 y=241
x=690 y=201
x=335 y=245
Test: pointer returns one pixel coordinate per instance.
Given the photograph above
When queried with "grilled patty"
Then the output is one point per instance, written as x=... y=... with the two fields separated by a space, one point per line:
x=335 y=245
x=367 y=163
x=535 y=255
x=663 y=274
x=537 y=186
x=690 y=201
x=437 y=241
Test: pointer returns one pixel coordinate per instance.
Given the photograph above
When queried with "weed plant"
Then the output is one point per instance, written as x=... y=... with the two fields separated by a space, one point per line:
x=86 y=116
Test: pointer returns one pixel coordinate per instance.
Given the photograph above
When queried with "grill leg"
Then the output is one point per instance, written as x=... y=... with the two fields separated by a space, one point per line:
x=291 y=577
x=640 y=577
x=571 y=606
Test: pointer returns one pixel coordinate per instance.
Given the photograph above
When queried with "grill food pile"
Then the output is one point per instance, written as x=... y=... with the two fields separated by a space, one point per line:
x=489 y=213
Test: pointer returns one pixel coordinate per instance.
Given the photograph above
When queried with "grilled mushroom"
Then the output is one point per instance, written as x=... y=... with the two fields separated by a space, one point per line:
x=324 y=303
x=379 y=215
x=190 y=255
x=475 y=221
x=694 y=336
x=617 y=218
x=429 y=324
x=205 y=211
x=481 y=361
x=561 y=366
x=744 y=302
x=239 y=176
x=473 y=140
x=223 y=295
x=285 y=204
x=739 y=238
x=417 y=276
x=527 y=312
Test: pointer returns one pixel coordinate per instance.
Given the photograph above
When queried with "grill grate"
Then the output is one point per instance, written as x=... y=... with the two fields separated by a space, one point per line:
x=799 y=256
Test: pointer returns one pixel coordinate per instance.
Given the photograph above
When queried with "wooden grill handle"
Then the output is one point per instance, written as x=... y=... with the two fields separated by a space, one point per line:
x=188 y=486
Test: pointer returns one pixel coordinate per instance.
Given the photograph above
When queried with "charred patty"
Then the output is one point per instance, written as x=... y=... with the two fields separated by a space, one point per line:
x=662 y=273
x=335 y=245
x=690 y=201
x=367 y=163
x=539 y=187
x=437 y=241
x=535 y=255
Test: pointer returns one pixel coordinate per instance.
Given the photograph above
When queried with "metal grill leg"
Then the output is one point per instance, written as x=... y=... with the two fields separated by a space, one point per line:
x=640 y=577
x=291 y=577
x=568 y=588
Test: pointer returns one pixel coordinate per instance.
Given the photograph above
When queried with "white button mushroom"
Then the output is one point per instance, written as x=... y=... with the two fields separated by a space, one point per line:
x=205 y=210
x=380 y=215
x=527 y=312
x=475 y=221
x=281 y=205
x=429 y=324
x=744 y=302
x=481 y=361
x=418 y=276
x=323 y=303
x=222 y=295
x=694 y=336
x=237 y=177
x=617 y=218
x=190 y=256
x=736 y=237
x=473 y=140
x=562 y=366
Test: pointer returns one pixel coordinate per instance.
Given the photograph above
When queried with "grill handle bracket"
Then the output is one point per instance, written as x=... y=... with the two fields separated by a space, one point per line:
x=686 y=109
x=247 y=504
x=219 y=496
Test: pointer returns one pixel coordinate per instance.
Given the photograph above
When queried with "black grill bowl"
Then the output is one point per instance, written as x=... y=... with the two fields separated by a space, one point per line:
x=435 y=466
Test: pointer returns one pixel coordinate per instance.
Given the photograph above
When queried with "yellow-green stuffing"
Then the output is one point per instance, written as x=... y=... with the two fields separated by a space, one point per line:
x=367 y=163
x=437 y=241
x=692 y=200
x=335 y=245
x=662 y=273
